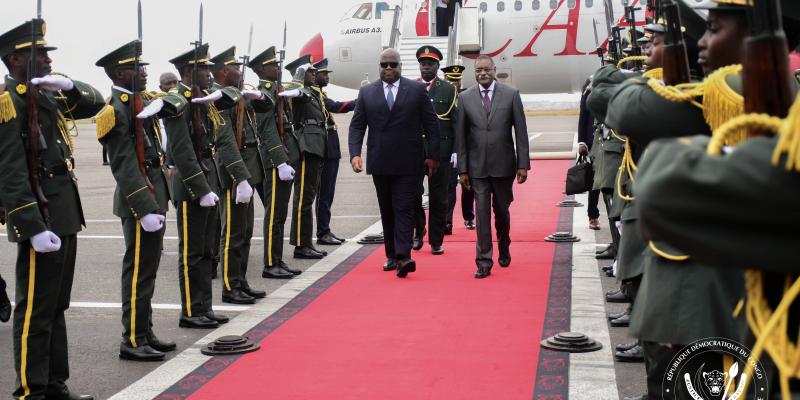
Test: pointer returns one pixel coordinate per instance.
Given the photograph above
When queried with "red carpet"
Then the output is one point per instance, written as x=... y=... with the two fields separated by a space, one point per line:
x=439 y=334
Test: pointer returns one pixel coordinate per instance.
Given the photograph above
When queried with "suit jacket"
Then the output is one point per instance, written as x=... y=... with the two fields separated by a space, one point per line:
x=395 y=145
x=331 y=106
x=485 y=143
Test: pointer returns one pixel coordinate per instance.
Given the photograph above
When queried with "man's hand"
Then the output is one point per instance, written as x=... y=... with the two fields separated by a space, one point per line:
x=252 y=94
x=152 y=109
x=357 y=164
x=243 y=192
x=290 y=93
x=152 y=222
x=464 y=180
x=285 y=172
x=454 y=160
x=214 y=96
x=583 y=149
x=53 y=83
x=522 y=175
x=45 y=242
x=209 y=199
x=431 y=166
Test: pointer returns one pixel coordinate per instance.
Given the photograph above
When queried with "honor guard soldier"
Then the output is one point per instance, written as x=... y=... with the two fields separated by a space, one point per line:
x=141 y=198
x=237 y=211
x=454 y=74
x=444 y=98
x=308 y=117
x=281 y=155
x=330 y=169
x=194 y=136
x=37 y=167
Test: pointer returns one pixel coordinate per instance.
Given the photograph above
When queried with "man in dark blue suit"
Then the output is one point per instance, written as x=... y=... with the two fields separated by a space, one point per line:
x=397 y=111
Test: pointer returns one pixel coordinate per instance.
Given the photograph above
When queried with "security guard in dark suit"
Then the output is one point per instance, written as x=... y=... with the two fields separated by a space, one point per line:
x=280 y=155
x=330 y=169
x=454 y=74
x=309 y=120
x=444 y=97
x=236 y=209
x=141 y=198
x=194 y=138
x=45 y=235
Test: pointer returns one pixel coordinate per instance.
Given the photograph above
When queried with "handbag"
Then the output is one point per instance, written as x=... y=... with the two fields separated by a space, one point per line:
x=580 y=176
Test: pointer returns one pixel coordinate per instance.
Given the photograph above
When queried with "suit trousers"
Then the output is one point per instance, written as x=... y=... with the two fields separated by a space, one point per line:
x=276 y=195
x=194 y=264
x=397 y=200
x=467 y=200
x=139 y=268
x=43 y=286
x=306 y=184
x=327 y=189
x=492 y=194
x=437 y=206
x=441 y=21
x=233 y=251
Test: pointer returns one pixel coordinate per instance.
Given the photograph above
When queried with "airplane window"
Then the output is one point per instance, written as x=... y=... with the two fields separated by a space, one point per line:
x=501 y=6
x=589 y=3
x=535 y=5
x=364 y=11
x=571 y=4
x=380 y=7
x=518 y=5
x=553 y=4
x=483 y=6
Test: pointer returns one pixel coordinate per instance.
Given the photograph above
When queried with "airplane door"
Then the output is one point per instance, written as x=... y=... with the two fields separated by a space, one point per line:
x=504 y=76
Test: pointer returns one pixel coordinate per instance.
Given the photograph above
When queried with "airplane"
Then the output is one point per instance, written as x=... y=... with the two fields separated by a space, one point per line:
x=539 y=46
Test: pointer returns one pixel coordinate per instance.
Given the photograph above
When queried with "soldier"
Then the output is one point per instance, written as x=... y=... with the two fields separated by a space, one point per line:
x=454 y=74
x=444 y=98
x=236 y=211
x=141 y=198
x=330 y=169
x=45 y=236
x=193 y=137
x=280 y=154
x=308 y=118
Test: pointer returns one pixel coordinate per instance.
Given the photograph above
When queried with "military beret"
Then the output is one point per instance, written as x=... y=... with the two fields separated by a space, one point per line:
x=265 y=57
x=19 y=38
x=189 y=58
x=124 y=55
x=429 y=52
x=227 y=57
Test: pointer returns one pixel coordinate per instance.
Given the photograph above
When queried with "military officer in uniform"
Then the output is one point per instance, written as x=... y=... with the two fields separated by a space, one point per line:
x=330 y=169
x=141 y=198
x=308 y=117
x=237 y=211
x=45 y=235
x=454 y=74
x=280 y=154
x=444 y=99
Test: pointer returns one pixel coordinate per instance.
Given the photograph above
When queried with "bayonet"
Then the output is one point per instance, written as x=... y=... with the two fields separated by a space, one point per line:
x=241 y=108
x=198 y=132
x=281 y=116
x=597 y=41
x=139 y=135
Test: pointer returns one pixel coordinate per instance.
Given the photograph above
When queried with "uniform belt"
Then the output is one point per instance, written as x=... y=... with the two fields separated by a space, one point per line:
x=154 y=162
x=310 y=122
x=59 y=169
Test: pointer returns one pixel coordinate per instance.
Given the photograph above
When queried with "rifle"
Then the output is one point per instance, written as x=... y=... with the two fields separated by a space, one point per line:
x=630 y=18
x=600 y=51
x=35 y=138
x=766 y=78
x=137 y=104
x=198 y=133
x=241 y=108
x=612 y=41
x=675 y=60
x=281 y=115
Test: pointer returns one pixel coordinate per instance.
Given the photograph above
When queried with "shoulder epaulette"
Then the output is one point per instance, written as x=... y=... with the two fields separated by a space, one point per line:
x=7 y=110
x=105 y=120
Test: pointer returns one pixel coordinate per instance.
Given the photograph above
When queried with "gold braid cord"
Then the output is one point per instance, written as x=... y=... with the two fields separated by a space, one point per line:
x=721 y=103
x=789 y=140
x=723 y=135
x=686 y=92
x=630 y=59
x=655 y=73
x=62 y=126
x=628 y=167
x=215 y=117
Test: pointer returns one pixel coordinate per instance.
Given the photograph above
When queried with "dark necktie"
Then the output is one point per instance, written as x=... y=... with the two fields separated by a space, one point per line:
x=487 y=102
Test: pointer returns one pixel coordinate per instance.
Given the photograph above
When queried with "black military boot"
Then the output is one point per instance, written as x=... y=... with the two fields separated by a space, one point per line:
x=141 y=353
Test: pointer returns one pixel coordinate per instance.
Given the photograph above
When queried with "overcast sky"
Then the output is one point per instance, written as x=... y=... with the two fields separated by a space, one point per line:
x=86 y=30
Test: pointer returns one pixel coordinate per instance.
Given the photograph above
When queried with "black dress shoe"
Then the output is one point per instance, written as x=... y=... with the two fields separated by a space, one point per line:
x=610 y=273
x=604 y=249
x=437 y=250
x=5 y=307
x=504 y=260
x=622 y=321
x=271 y=272
x=417 y=244
x=287 y=268
x=328 y=239
x=389 y=265
x=254 y=293
x=634 y=354
x=200 y=322
x=307 y=253
x=626 y=346
x=337 y=237
x=160 y=345
x=448 y=229
x=614 y=291
x=68 y=396
x=219 y=318
x=141 y=353
x=483 y=272
x=608 y=254
x=617 y=297
x=470 y=224
x=613 y=316
x=236 y=296
x=404 y=267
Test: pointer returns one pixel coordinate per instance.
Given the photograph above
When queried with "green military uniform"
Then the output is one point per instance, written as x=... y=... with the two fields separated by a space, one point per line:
x=444 y=99
x=133 y=199
x=43 y=280
x=196 y=174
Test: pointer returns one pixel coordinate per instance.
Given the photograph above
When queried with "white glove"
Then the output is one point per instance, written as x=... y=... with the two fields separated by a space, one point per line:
x=290 y=93
x=45 y=242
x=210 y=199
x=285 y=172
x=454 y=160
x=214 y=96
x=243 y=192
x=151 y=109
x=152 y=222
x=53 y=83
x=252 y=94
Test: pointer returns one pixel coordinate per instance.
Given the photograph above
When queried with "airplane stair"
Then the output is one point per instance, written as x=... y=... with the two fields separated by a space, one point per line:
x=408 y=52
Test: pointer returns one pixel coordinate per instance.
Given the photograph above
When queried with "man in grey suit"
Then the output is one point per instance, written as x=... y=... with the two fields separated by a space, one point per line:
x=488 y=161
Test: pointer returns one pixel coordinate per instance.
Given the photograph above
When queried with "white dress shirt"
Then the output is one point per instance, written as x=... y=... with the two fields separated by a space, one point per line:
x=395 y=85
x=491 y=89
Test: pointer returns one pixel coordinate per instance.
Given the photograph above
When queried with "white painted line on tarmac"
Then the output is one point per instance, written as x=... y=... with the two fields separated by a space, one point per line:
x=116 y=221
x=157 y=306
x=160 y=379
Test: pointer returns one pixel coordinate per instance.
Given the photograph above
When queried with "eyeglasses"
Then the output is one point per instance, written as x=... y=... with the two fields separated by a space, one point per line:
x=390 y=64
x=479 y=70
